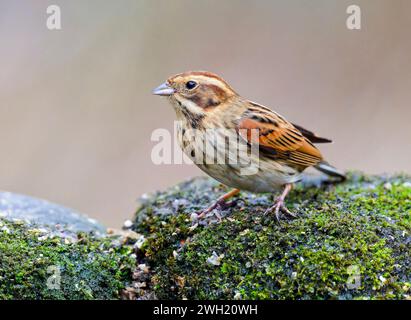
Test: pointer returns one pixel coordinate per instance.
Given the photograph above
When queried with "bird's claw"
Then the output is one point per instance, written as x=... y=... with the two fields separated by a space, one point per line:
x=279 y=207
x=224 y=205
x=219 y=204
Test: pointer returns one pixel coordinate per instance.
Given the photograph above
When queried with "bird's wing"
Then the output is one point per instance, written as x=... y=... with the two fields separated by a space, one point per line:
x=311 y=135
x=277 y=138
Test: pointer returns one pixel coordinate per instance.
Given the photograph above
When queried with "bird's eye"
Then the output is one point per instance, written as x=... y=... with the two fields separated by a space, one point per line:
x=191 y=84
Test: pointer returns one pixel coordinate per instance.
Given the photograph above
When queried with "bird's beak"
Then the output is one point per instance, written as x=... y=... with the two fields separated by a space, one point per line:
x=164 y=90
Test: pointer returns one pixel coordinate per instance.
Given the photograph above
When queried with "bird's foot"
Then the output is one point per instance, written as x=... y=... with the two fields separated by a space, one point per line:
x=278 y=207
x=220 y=204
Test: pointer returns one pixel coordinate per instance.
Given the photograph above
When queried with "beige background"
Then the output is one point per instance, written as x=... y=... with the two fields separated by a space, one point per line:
x=76 y=110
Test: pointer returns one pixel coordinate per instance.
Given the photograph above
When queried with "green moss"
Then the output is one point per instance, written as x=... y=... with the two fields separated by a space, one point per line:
x=357 y=230
x=89 y=268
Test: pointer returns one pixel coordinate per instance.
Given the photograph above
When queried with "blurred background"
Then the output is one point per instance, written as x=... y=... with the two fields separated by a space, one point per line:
x=76 y=110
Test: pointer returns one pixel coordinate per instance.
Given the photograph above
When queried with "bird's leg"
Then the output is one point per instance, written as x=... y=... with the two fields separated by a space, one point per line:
x=221 y=202
x=279 y=204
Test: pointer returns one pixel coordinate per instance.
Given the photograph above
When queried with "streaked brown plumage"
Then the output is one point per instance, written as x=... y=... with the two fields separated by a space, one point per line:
x=204 y=101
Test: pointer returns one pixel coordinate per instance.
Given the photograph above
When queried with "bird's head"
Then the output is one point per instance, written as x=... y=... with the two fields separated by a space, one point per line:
x=198 y=92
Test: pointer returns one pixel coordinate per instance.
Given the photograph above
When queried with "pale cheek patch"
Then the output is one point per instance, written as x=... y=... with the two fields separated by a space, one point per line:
x=190 y=105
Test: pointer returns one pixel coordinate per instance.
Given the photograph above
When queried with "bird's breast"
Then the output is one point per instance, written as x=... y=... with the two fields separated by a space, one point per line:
x=225 y=156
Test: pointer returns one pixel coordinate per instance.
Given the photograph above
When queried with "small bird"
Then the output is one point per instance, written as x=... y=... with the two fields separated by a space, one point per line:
x=204 y=102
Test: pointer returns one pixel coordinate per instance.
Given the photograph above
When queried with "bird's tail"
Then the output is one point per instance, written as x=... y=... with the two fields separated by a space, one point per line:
x=328 y=169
